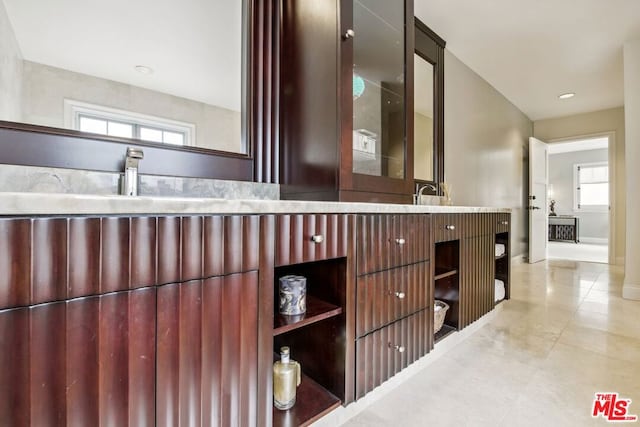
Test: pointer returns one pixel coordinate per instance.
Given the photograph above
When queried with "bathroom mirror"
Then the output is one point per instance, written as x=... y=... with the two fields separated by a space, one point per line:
x=168 y=73
x=428 y=109
x=423 y=119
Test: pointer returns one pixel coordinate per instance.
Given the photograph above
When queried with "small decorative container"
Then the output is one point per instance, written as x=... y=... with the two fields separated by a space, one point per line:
x=439 y=312
x=286 y=378
x=293 y=295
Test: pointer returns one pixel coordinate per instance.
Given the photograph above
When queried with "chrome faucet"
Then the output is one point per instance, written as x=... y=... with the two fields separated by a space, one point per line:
x=418 y=195
x=129 y=184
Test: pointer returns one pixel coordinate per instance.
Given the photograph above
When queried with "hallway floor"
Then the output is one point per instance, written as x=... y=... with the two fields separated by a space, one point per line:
x=589 y=252
x=565 y=335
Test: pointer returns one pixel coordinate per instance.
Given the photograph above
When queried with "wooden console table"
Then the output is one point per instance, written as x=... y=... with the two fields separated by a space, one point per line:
x=564 y=228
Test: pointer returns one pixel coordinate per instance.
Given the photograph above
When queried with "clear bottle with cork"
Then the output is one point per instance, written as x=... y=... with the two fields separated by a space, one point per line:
x=286 y=377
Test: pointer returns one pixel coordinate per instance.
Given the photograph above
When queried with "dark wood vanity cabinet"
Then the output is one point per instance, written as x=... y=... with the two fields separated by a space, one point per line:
x=337 y=144
x=130 y=320
x=393 y=296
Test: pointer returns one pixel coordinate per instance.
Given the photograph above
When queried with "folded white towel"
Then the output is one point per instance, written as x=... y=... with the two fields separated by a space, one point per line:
x=500 y=290
x=500 y=249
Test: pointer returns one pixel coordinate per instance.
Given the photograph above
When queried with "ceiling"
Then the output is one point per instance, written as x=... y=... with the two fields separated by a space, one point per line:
x=533 y=51
x=579 y=145
x=194 y=47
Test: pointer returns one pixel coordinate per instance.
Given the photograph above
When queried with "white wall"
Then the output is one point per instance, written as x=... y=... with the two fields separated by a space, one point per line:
x=45 y=89
x=10 y=70
x=593 y=225
x=631 y=287
x=597 y=122
x=486 y=145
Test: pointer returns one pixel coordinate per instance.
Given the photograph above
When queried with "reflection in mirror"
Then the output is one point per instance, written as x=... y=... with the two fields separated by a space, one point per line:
x=423 y=119
x=168 y=72
x=378 y=88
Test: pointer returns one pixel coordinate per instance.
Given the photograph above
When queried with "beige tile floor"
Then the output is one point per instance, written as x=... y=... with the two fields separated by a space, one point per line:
x=565 y=335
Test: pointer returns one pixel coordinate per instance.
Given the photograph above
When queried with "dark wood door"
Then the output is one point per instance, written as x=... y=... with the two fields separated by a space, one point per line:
x=476 y=278
x=207 y=352
x=87 y=361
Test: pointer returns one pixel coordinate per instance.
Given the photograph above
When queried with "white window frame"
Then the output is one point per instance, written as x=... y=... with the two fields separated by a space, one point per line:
x=73 y=110
x=576 y=183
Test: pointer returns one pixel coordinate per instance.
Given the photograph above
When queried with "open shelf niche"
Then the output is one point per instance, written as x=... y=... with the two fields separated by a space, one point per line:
x=447 y=283
x=316 y=340
x=502 y=264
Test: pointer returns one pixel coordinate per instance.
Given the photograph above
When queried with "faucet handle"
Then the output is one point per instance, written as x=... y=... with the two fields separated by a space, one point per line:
x=135 y=153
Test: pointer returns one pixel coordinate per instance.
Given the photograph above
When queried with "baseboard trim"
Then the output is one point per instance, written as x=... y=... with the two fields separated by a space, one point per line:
x=631 y=291
x=595 y=240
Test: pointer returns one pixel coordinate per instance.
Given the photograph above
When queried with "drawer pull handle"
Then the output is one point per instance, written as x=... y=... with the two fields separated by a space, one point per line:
x=401 y=241
x=398 y=348
x=400 y=295
x=450 y=227
x=317 y=238
x=504 y=222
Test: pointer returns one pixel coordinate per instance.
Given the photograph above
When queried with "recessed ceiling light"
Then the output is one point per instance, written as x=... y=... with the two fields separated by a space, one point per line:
x=143 y=69
x=567 y=95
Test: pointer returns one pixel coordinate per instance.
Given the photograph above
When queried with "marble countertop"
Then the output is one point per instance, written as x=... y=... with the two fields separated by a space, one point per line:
x=18 y=204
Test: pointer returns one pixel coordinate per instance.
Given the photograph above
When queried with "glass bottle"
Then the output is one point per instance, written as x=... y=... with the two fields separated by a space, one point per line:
x=286 y=377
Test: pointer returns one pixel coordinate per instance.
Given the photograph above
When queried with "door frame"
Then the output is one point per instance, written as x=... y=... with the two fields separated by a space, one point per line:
x=614 y=259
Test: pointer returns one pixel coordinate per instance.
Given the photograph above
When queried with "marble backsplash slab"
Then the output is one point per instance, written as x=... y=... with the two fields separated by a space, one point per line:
x=14 y=178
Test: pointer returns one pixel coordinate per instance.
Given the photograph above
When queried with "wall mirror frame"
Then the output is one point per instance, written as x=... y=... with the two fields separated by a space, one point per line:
x=32 y=145
x=430 y=47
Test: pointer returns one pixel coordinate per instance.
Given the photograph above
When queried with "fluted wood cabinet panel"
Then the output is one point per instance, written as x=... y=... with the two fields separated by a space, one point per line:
x=389 y=295
x=87 y=361
x=84 y=257
x=192 y=251
x=169 y=246
x=207 y=352
x=476 y=278
x=114 y=272
x=14 y=367
x=143 y=252
x=447 y=227
x=294 y=233
x=386 y=241
x=15 y=259
x=378 y=355
x=230 y=244
x=49 y=256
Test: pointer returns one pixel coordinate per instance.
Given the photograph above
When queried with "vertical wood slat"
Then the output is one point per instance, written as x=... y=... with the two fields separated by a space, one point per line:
x=230 y=244
x=377 y=360
x=84 y=257
x=169 y=247
x=377 y=305
x=15 y=271
x=49 y=260
x=14 y=366
x=143 y=252
x=115 y=251
x=377 y=245
x=294 y=232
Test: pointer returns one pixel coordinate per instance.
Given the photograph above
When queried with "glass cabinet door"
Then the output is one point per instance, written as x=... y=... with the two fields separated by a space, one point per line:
x=379 y=138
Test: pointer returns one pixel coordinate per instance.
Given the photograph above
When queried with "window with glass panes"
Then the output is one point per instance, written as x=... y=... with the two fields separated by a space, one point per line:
x=591 y=183
x=124 y=129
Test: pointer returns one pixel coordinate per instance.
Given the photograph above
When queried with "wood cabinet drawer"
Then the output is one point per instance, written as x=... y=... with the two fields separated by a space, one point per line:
x=386 y=241
x=305 y=238
x=502 y=222
x=385 y=352
x=389 y=295
x=447 y=227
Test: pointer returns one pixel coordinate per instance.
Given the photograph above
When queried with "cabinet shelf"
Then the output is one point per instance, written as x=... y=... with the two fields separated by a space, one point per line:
x=442 y=273
x=443 y=332
x=501 y=256
x=317 y=310
x=312 y=402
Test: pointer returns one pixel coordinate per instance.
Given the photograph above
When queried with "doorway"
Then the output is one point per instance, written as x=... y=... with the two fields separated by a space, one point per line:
x=579 y=199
